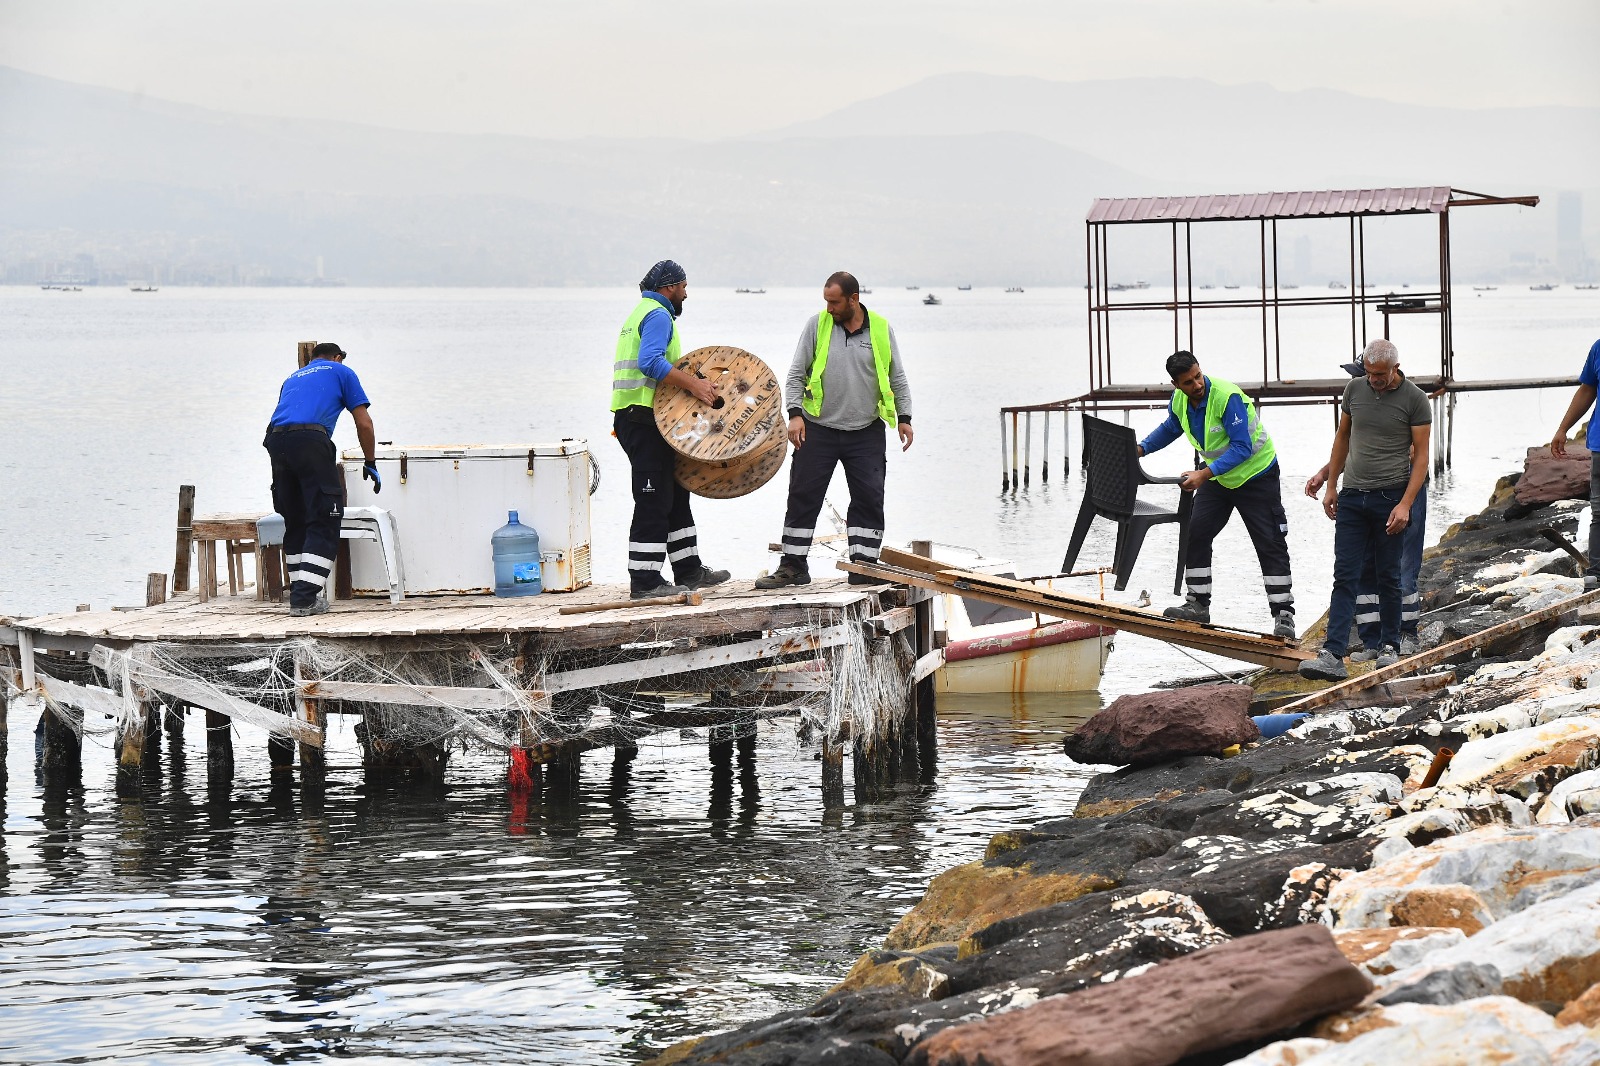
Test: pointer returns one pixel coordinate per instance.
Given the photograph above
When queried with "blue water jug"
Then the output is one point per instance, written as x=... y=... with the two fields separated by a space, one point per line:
x=515 y=548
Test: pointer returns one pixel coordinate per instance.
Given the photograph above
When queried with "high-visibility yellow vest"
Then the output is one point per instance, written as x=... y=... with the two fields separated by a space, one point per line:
x=1217 y=442
x=878 y=331
x=629 y=385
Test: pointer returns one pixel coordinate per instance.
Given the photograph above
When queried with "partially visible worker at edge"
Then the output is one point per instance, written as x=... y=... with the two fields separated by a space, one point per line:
x=1240 y=473
x=663 y=525
x=844 y=389
x=306 y=488
x=1583 y=402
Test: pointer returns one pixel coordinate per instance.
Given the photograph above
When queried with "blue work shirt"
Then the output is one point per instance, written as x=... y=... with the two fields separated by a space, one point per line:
x=318 y=392
x=1235 y=419
x=654 y=333
x=1591 y=377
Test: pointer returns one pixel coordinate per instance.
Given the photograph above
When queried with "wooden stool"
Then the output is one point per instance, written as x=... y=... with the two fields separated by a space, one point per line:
x=237 y=534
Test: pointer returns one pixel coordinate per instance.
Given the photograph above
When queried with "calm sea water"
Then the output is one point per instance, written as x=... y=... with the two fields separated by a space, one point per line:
x=663 y=899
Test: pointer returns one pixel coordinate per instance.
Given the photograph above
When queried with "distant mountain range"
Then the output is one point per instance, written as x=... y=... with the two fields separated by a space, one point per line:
x=969 y=178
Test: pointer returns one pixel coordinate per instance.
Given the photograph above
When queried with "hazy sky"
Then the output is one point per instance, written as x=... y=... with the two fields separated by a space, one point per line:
x=714 y=68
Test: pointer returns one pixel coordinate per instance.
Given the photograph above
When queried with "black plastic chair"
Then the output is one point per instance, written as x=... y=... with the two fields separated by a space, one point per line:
x=1112 y=477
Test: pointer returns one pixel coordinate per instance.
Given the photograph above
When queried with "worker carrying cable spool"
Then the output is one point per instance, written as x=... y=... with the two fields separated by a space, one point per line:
x=663 y=526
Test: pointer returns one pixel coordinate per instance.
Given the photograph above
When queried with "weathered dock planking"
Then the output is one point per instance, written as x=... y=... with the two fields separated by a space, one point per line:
x=725 y=663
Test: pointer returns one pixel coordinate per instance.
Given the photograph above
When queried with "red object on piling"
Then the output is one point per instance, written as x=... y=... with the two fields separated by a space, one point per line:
x=520 y=777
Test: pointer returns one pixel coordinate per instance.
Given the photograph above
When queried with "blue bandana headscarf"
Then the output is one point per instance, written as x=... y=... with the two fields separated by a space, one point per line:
x=661 y=275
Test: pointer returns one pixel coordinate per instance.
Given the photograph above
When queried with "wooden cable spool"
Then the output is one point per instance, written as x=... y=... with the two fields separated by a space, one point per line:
x=727 y=479
x=749 y=406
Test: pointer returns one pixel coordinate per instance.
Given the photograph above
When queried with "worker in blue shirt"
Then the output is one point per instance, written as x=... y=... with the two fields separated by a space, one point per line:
x=663 y=528
x=306 y=488
x=1239 y=473
x=1582 y=403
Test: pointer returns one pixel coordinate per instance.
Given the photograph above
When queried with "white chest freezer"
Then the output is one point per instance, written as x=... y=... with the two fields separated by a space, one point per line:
x=447 y=500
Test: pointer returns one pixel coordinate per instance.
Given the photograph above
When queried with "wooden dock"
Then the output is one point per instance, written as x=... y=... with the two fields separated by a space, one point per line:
x=515 y=674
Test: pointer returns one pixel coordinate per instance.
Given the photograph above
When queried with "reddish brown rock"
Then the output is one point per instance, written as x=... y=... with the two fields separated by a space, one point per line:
x=1547 y=479
x=1243 y=990
x=1369 y=948
x=1156 y=727
x=1584 y=1011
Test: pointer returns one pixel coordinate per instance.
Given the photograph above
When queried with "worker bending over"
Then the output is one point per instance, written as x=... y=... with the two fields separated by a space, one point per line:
x=845 y=386
x=1240 y=473
x=306 y=488
x=663 y=525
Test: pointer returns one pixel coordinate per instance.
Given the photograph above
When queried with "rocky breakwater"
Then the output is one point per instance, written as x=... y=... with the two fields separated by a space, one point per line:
x=1328 y=896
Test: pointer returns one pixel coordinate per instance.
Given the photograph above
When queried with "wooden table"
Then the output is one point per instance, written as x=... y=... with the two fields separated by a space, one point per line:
x=237 y=534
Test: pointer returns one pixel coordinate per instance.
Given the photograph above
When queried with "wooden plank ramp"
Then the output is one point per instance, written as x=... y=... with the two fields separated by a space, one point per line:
x=1434 y=656
x=942 y=577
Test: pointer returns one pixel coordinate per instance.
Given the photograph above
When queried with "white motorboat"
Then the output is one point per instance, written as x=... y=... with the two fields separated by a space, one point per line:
x=988 y=648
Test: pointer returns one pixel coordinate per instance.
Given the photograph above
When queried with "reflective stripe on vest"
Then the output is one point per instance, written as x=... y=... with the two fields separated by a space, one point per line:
x=878 y=332
x=1217 y=443
x=630 y=386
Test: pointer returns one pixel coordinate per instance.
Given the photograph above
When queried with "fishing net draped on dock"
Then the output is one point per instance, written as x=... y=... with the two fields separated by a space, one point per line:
x=835 y=677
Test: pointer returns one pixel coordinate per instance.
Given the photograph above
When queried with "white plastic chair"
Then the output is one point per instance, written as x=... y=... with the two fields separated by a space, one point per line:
x=377 y=524
x=360 y=523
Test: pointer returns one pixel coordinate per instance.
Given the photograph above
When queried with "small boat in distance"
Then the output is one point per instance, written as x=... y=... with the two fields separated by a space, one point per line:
x=1337 y=285
x=913 y=288
x=1230 y=286
x=963 y=288
x=931 y=300
x=140 y=286
x=1586 y=288
x=1018 y=288
x=61 y=288
x=866 y=292
x=1546 y=287
x=1483 y=288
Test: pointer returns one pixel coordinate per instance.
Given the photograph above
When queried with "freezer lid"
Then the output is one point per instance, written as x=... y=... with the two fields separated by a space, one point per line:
x=456 y=452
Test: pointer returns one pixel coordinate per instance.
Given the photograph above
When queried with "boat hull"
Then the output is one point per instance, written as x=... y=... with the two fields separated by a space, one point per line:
x=1061 y=657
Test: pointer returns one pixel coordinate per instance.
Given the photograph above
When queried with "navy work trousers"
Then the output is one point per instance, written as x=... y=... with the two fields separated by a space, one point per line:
x=864 y=455
x=1416 y=532
x=1594 y=515
x=663 y=524
x=1259 y=502
x=308 y=493
x=1359 y=535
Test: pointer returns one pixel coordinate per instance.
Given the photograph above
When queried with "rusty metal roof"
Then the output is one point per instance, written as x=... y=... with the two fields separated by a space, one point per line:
x=1241 y=206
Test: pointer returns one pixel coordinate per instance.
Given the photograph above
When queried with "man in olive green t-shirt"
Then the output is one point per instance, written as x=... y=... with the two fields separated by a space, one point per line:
x=1381 y=449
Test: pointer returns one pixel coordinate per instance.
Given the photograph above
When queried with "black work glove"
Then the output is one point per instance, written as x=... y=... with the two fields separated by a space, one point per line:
x=369 y=472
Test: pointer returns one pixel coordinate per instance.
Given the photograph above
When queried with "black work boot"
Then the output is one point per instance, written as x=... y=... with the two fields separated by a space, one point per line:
x=787 y=574
x=704 y=578
x=663 y=589
x=1192 y=609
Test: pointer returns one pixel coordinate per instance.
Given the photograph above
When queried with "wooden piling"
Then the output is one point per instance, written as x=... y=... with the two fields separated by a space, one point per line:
x=832 y=772
x=925 y=718
x=313 y=766
x=181 y=563
x=131 y=748
x=219 y=748
x=155 y=589
x=280 y=755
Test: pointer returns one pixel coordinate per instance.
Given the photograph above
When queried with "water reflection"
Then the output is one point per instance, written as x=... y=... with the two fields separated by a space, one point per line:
x=641 y=896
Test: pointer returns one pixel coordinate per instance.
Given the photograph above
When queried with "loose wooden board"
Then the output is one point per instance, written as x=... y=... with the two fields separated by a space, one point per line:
x=749 y=404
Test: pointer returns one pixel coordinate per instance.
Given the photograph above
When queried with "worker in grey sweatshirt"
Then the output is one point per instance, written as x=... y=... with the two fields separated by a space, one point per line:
x=845 y=387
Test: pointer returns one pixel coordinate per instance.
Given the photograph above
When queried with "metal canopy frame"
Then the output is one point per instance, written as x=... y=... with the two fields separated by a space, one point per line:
x=1265 y=211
